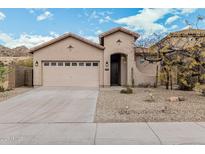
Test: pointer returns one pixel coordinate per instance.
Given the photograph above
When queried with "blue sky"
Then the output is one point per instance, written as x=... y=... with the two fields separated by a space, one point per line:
x=31 y=27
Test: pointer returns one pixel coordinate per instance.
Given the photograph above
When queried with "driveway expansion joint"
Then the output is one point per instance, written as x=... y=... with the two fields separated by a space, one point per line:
x=154 y=133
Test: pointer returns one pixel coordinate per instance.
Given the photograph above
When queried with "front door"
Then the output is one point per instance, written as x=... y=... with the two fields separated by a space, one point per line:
x=115 y=74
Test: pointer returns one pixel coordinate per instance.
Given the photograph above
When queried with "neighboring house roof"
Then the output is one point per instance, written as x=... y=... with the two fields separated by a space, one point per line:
x=183 y=33
x=141 y=50
x=64 y=36
x=188 y=32
x=129 y=32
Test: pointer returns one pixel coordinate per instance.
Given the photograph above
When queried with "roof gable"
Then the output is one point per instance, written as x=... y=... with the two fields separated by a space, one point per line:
x=117 y=29
x=64 y=36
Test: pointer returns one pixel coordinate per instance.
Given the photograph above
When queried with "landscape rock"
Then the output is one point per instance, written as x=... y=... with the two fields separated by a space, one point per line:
x=176 y=98
x=181 y=98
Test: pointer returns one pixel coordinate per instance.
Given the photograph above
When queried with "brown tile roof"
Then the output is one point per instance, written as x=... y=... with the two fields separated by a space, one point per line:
x=134 y=34
x=64 y=36
x=189 y=31
x=141 y=50
x=183 y=33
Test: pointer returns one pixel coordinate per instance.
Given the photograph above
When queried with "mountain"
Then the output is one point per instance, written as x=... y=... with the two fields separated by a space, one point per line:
x=21 y=51
x=5 y=52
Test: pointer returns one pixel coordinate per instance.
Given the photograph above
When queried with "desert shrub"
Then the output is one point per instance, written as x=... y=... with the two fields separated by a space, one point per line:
x=127 y=90
x=200 y=88
x=187 y=83
x=26 y=62
x=2 y=89
x=150 y=97
x=3 y=72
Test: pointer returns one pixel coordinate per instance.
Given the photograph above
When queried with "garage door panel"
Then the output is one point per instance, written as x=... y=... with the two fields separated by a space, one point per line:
x=82 y=76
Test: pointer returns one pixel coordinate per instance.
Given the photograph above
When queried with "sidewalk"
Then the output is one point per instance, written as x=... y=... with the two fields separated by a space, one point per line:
x=103 y=133
x=151 y=133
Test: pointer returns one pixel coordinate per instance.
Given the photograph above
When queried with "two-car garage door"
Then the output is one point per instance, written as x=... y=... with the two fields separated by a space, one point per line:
x=71 y=73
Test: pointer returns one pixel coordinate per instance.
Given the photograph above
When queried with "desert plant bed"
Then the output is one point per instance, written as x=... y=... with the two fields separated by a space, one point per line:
x=149 y=105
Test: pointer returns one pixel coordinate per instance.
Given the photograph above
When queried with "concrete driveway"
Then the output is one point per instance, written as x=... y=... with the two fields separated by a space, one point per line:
x=65 y=116
x=50 y=104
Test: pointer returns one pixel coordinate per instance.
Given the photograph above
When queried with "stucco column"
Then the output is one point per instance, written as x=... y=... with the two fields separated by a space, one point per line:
x=107 y=67
x=129 y=66
x=37 y=72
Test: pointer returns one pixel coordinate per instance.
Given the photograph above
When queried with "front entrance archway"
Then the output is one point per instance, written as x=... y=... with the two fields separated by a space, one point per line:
x=118 y=74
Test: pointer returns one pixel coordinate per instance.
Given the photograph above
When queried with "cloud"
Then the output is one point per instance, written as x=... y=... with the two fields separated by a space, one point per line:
x=31 y=11
x=100 y=16
x=98 y=32
x=145 y=20
x=30 y=40
x=187 y=10
x=186 y=27
x=44 y=16
x=94 y=15
x=92 y=38
x=171 y=19
x=54 y=34
x=104 y=13
x=2 y=16
x=24 y=39
x=105 y=19
x=173 y=27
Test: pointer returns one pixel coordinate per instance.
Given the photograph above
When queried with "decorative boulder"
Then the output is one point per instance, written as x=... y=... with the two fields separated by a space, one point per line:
x=173 y=99
x=181 y=98
x=176 y=98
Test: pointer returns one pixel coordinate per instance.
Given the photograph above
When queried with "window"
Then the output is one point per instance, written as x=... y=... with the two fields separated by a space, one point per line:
x=81 y=64
x=88 y=64
x=74 y=64
x=53 y=63
x=141 y=60
x=46 y=64
x=60 y=63
x=67 y=64
x=95 y=64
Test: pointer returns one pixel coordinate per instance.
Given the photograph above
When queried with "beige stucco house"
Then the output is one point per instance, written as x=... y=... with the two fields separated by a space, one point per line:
x=71 y=60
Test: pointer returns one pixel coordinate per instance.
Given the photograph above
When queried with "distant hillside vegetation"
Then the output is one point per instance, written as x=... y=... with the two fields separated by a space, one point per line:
x=21 y=51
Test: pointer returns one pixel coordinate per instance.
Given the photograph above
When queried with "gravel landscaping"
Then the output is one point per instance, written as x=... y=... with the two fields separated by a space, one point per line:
x=112 y=106
x=14 y=92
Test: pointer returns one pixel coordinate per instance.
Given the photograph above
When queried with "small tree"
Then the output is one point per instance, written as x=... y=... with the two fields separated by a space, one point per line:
x=26 y=62
x=3 y=72
x=184 y=52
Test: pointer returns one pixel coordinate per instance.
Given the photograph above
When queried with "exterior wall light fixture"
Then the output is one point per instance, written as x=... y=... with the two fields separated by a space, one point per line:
x=106 y=64
x=70 y=47
x=119 y=42
x=36 y=63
